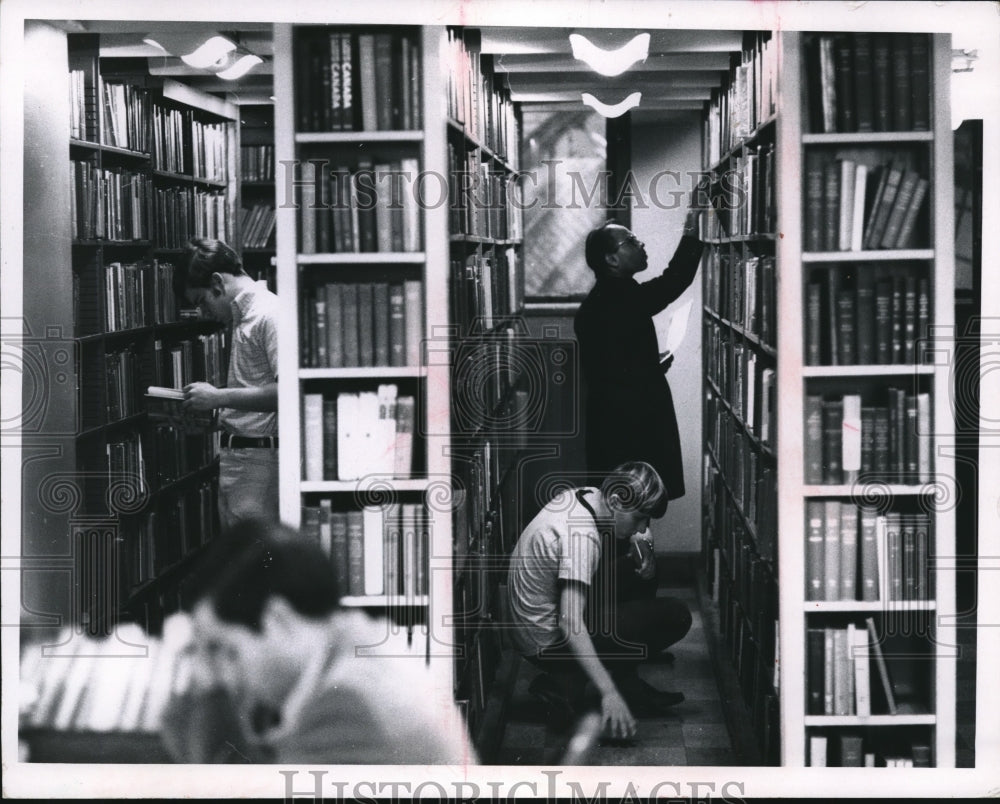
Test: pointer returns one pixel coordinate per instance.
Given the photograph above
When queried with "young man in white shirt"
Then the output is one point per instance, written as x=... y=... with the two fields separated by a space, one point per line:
x=247 y=405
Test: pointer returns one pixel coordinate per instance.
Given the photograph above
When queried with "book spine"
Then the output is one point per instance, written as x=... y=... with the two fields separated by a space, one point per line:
x=815 y=518
x=813 y=447
x=902 y=102
x=329 y=439
x=831 y=206
x=356 y=571
x=831 y=550
x=833 y=419
x=313 y=439
x=863 y=89
x=848 y=551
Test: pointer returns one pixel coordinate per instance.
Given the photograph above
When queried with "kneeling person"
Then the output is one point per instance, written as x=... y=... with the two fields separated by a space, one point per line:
x=552 y=566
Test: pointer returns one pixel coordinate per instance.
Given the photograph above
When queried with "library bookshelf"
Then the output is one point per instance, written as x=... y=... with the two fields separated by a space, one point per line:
x=151 y=164
x=123 y=168
x=450 y=277
x=367 y=291
x=487 y=384
x=740 y=358
x=864 y=400
x=257 y=192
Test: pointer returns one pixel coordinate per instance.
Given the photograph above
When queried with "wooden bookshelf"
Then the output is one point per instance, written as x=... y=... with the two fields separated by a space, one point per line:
x=922 y=730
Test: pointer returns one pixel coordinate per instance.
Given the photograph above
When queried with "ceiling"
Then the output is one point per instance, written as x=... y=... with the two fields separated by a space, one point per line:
x=676 y=78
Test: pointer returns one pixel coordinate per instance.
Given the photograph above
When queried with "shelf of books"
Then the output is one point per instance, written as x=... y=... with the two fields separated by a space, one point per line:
x=488 y=400
x=866 y=305
x=133 y=498
x=151 y=166
x=740 y=355
x=258 y=192
x=364 y=443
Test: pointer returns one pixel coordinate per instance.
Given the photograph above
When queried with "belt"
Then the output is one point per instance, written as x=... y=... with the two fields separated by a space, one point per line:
x=262 y=442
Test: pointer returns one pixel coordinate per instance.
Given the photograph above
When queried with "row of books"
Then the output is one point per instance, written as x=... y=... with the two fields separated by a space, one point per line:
x=125 y=462
x=741 y=290
x=170 y=533
x=753 y=578
x=209 y=150
x=847 y=210
x=846 y=749
x=749 y=389
x=855 y=553
x=746 y=486
x=139 y=294
x=109 y=203
x=170 y=128
x=92 y=685
x=745 y=101
x=869 y=82
x=211 y=214
x=126 y=112
x=839 y=673
x=257 y=163
x=495 y=385
x=357 y=82
x=352 y=435
x=80 y=127
x=361 y=208
x=351 y=324
x=484 y=287
x=744 y=196
x=485 y=201
x=754 y=658
x=848 y=440
x=201 y=358
x=121 y=371
x=478 y=99
x=257 y=225
x=173 y=208
x=866 y=319
x=375 y=550
x=177 y=452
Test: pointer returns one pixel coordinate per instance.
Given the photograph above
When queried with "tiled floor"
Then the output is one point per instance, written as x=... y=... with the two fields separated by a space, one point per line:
x=694 y=733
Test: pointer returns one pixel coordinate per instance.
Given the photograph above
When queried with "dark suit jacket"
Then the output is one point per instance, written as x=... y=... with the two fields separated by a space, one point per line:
x=629 y=408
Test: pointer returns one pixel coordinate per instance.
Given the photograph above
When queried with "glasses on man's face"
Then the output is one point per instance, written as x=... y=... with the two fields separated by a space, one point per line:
x=631 y=240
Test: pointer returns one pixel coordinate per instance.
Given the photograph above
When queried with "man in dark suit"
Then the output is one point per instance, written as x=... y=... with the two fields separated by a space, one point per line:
x=629 y=409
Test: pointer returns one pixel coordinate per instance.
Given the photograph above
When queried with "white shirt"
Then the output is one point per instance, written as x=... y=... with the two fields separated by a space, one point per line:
x=253 y=361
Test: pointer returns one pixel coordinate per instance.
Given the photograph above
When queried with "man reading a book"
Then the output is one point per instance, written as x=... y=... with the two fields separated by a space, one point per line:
x=276 y=671
x=247 y=406
x=556 y=560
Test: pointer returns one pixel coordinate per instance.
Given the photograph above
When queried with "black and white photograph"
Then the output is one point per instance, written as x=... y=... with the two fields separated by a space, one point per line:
x=486 y=400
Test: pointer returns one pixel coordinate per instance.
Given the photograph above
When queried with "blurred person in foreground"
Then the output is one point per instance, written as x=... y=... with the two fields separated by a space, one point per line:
x=274 y=670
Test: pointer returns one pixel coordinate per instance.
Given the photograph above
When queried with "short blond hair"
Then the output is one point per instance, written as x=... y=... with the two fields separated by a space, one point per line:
x=637 y=487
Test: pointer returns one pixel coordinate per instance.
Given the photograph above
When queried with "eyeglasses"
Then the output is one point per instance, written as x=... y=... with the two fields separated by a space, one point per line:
x=632 y=240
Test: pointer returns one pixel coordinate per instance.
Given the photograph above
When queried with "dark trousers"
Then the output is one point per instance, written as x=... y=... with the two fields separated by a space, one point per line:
x=627 y=624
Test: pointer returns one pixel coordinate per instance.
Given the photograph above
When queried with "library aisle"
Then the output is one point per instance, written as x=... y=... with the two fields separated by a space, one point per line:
x=695 y=733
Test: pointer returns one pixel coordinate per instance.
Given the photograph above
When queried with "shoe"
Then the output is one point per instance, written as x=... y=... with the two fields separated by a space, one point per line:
x=663 y=657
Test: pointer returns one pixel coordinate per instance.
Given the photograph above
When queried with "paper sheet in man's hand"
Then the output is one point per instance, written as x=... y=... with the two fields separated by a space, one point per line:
x=671 y=334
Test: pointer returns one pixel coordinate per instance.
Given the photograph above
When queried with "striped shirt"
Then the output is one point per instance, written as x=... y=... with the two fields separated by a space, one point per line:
x=253 y=361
